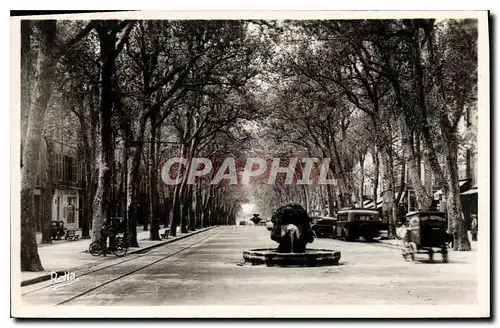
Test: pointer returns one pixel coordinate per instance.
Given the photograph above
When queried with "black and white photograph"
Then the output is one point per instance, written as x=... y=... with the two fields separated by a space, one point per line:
x=250 y=164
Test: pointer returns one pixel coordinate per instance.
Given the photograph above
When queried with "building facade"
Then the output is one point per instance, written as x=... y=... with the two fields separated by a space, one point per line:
x=67 y=201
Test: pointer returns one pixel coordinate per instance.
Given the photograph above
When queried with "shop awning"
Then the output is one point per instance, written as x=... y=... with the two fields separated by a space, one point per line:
x=461 y=183
x=371 y=204
x=471 y=191
x=439 y=192
x=402 y=197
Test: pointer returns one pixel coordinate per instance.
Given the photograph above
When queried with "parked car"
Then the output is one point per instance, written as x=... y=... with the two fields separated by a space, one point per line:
x=324 y=227
x=359 y=222
x=57 y=229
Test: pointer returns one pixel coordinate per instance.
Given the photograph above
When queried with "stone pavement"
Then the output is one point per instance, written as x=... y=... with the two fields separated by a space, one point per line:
x=70 y=255
x=208 y=274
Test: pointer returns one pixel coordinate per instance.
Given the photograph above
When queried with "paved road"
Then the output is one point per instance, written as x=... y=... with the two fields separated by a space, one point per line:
x=203 y=270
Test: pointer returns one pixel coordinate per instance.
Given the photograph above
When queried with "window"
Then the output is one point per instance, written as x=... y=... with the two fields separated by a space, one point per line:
x=74 y=170
x=58 y=161
x=365 y=217
x=69 y=169
x=342 y=217
x=58 y=202
x=81 y=172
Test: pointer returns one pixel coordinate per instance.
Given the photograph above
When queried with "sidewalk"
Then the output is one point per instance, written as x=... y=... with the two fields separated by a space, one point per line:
x=72 y=255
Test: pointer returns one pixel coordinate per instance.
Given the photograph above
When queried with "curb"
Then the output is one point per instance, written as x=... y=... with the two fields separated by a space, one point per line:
x=39 y=279
x=46 y=277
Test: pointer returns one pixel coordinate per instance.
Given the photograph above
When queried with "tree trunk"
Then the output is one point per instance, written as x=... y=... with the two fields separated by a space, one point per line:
x=430 y=152
x=176 y=210
x=331 y=200
x=107 y=39
x=431 y=157
x=132 y=182
x=344 y=185
x=126 y=186
x=402 y=185
x=362 y=182
x=26 y=76
x=376 y=175
x=91 y=156
x=88 y=160
x=132 y=201
x=306 y=198
x=185 y=210
x=198 y=206
x=388 y=176
x=424 y=200
x=30 y=261
x=48 y=193
x=191 y=220
x=418 y=157
x=454 y=206
x=153 y=184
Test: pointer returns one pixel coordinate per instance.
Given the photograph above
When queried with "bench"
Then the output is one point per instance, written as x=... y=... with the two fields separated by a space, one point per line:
x=165 y=234
x=71 y=235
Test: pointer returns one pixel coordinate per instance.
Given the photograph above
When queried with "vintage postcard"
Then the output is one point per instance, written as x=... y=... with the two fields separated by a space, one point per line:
x=251 y=164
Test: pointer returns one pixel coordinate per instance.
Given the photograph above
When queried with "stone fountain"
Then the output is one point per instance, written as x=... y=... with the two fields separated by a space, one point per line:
x=292 y=231
x=256 y=219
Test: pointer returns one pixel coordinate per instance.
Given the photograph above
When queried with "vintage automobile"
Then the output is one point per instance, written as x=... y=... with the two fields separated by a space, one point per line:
x=359 y=222
x=426 y=233
x=324 y=226
x=57 y=229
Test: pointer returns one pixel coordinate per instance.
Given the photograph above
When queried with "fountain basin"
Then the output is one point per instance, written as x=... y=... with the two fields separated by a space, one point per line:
x=311 y=257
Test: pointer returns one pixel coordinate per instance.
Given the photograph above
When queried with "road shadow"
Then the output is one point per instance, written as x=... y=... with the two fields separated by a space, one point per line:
x=247 y=264
x=437 y=261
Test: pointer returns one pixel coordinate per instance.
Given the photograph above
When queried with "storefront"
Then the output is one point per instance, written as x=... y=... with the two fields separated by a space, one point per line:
x=65 y=207
x=469 y=205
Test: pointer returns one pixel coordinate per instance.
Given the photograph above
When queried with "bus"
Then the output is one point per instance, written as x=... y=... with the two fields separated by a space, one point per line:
x=359 y=222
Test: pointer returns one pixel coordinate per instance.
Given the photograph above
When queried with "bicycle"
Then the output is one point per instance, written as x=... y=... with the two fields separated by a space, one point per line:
x=119 y=249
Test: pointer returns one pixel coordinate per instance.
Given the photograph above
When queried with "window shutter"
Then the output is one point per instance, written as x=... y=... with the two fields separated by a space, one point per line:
x=74 y=170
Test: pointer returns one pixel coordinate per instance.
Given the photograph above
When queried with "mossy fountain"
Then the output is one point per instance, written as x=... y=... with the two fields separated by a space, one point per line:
x=292 y=230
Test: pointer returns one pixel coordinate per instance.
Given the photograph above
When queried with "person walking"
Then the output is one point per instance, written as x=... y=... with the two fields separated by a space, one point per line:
x=474 y=227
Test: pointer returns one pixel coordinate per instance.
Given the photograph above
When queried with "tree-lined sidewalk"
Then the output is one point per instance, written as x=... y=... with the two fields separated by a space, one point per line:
x=73 y=256
x=138 y=92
